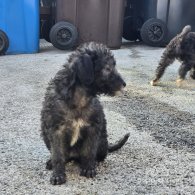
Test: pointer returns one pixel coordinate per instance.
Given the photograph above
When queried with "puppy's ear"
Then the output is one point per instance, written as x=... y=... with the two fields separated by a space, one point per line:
x=85 y=70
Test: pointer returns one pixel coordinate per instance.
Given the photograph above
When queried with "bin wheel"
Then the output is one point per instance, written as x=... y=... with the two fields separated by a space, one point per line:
x=131 y=28
x=4 y=43
x=154 y=32
x=63 y=35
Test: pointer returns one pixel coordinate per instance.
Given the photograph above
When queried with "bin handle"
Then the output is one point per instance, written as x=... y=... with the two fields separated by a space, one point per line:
x=167 y=15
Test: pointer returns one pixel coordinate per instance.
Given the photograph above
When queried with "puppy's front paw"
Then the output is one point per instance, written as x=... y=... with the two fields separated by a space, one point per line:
x=57 y=179
x=154 y=82
x=89 y=173
x=179 y=82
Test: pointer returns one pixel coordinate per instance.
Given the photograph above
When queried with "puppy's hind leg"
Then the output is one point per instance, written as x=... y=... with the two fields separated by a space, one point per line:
x=47 y=143
x=184 y=68
x=102 y=150
x=165 y=61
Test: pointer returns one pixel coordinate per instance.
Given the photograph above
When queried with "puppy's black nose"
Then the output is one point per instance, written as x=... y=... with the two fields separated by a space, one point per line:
x=124 y=84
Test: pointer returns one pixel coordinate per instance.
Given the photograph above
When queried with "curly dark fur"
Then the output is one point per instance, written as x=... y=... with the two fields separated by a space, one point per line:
x=73 y=123
x=182 y=48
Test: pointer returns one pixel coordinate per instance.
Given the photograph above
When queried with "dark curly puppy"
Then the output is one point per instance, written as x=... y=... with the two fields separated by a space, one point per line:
x=73 y=123
x=182 y=48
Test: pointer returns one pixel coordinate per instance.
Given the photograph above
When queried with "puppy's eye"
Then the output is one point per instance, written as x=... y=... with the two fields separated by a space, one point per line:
x=108 y=69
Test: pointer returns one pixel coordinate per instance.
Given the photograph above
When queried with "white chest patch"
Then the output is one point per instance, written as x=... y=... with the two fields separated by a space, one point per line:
x=76 y=126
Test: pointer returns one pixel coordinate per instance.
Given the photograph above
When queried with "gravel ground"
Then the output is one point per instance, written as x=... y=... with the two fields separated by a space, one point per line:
x=159 y=157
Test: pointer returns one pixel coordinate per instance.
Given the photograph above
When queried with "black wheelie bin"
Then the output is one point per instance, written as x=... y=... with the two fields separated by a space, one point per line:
x=136 y=13
x=171 y=17
x=47 y=18
x=156 y=22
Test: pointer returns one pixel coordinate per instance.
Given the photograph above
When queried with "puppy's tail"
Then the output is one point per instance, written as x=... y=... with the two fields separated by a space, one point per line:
x=185 y=30
x=118 y=144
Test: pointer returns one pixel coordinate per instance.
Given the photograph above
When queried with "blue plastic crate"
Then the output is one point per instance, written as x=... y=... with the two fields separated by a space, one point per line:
x=19 y=19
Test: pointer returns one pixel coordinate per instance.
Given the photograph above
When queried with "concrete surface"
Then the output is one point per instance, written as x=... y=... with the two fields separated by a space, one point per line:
x=159 y=157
